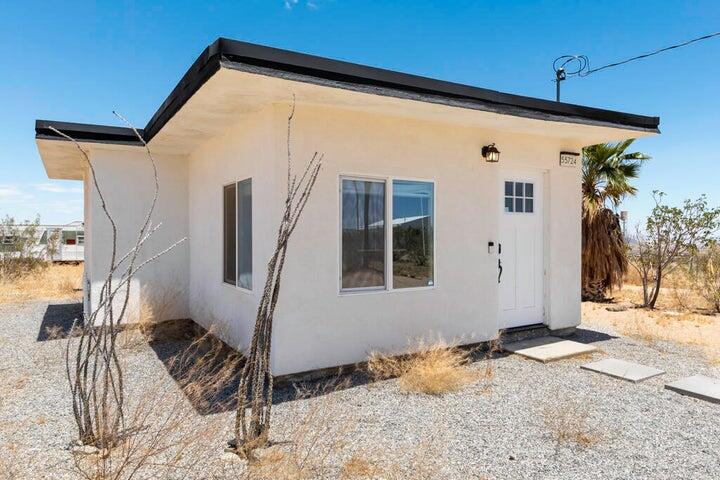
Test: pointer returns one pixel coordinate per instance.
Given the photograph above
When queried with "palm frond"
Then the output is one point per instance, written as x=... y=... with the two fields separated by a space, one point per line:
x=607 y=171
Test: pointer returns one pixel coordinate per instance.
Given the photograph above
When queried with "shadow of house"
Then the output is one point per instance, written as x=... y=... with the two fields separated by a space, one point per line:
x=58 y=321
x=207 y=376
x=584 y=335
x=208 y=373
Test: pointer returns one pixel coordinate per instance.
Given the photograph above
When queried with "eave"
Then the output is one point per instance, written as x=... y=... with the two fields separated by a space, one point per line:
x=195 y=96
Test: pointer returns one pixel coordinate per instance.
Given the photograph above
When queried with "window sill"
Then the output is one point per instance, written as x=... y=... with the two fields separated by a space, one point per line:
x=379 y=291
x=237 y=289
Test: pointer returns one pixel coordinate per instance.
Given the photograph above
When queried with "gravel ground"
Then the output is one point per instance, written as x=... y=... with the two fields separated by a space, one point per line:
x=496 y=429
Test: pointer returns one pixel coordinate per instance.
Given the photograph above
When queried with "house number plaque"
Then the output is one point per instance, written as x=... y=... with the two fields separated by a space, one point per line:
x=569 y=159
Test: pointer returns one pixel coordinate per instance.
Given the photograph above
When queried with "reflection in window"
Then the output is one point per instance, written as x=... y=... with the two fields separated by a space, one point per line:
x=363 y=234
x=413 y=230
x=237 y=234
x=244 y=234
x=229 y=251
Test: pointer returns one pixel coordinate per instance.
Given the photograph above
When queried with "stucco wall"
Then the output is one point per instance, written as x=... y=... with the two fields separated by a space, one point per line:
x=318 y=327
x=126 y=180
x=246 y=150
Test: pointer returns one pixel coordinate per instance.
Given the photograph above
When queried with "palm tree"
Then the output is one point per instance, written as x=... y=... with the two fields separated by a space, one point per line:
x=606 y=174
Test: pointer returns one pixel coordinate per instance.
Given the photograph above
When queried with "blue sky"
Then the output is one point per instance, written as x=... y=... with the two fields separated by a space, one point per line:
x=77 y=61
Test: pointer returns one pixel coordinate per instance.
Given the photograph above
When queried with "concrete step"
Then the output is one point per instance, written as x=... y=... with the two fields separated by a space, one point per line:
x=698 y=386
x=549 y=349
x=613 y=367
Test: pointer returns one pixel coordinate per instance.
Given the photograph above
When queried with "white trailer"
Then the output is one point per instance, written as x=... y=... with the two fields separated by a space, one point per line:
x=68 y=241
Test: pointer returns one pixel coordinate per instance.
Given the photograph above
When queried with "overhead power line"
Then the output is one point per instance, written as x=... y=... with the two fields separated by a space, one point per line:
x=579 y=65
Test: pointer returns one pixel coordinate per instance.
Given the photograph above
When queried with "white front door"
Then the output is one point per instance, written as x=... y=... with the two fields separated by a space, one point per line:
x=520 y=249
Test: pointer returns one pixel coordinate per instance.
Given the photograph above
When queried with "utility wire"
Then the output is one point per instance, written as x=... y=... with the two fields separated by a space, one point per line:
x=582 y=62
x=672 y=47
x=579 y=65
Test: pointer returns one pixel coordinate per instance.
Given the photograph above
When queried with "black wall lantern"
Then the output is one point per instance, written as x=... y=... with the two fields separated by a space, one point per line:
x=490 y=153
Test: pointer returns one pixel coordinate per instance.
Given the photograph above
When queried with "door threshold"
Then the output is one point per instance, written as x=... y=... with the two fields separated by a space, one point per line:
x=523 y=328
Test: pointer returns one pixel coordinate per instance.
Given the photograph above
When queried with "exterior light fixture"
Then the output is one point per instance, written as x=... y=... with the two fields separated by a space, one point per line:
x=490 y=153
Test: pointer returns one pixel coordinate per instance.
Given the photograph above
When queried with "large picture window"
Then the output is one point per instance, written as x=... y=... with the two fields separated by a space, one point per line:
x=412 y=234
x=367 y=255
x=237 y=234
x=363 y=234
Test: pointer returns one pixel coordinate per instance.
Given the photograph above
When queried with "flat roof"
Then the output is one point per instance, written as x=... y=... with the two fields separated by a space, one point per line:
x=224 y=52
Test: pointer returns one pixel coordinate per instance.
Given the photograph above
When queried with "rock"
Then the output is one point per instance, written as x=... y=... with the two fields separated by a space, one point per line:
x=511 y=457
x=85 y=450
x=619 y=307
x=230 y=457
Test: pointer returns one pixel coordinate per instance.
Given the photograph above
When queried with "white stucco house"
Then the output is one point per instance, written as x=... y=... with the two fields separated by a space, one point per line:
x=410 y=230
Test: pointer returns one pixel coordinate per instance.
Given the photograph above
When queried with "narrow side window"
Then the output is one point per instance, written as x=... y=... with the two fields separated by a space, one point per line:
x=244 y=234
x=229 y=232
x=363 y=234
x=413 y=230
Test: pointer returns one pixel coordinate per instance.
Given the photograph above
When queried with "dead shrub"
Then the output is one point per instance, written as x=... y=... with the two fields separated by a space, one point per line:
x=165 y=436
x=707 y=278
x=432 y=368
x=683 y=296
x=567 y=423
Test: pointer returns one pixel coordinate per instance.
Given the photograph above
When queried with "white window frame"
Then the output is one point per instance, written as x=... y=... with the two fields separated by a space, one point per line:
x=234 y=286
x=388 y=287
x=533 y=198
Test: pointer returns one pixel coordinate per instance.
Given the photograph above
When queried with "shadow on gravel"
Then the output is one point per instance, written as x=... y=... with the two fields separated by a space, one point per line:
x=188 y=366
x=584 y=335
x=58 y=321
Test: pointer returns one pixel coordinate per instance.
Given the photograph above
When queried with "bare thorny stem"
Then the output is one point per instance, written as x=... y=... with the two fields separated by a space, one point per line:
x=96 y=376
x=256 y=384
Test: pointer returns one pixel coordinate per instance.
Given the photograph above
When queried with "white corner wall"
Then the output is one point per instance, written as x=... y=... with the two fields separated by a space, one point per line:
x=246 y=150
x=126 y=180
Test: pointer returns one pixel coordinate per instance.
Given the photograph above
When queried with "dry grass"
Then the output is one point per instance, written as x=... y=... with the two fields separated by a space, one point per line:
x=431 y=368
x=679 y=293
x=652 y=327
x=316 y=442
x=567 y=422
x=414 y=464
x=359 y=467
x=681 y=315
x=56 y=282
x=8 y=462
x=155 y=305
x=319 y=428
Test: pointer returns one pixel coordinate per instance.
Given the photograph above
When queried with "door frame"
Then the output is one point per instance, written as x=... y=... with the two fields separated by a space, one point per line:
x=519 y=172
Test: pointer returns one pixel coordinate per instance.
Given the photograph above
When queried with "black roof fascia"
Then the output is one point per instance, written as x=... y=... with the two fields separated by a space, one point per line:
x=210 y=59
x=84 y=132
x=340 y=71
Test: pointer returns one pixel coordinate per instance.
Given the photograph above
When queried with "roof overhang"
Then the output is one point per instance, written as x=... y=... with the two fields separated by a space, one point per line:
x=231 y=78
